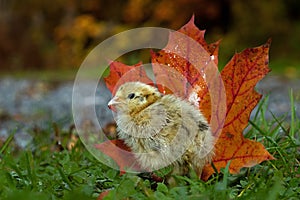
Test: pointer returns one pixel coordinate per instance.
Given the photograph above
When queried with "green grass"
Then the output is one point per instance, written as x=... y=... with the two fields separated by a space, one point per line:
x=46 y=170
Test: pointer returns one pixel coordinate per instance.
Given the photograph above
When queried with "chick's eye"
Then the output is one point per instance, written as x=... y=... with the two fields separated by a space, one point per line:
x=131 y=95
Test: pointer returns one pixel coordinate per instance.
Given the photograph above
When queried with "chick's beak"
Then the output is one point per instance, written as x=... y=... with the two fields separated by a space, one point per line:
x=113 y=102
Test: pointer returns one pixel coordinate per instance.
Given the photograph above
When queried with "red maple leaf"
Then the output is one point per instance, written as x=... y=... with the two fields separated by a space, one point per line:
x=121 y=73
x=120 y=153
x=183 y=70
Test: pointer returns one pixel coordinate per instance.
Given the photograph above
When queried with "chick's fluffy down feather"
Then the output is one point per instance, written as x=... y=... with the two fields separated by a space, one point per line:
x=162 y=130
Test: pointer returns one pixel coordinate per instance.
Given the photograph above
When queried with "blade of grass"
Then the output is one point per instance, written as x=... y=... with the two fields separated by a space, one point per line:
x=292 y=142
x=64 y=177
x=7 y=142
x=30 y=168
x=262 y=132
x=293 y=114
x=226 y=173
x=215 y=169
x=262 y=103
x=278 y=148
x=279 y=122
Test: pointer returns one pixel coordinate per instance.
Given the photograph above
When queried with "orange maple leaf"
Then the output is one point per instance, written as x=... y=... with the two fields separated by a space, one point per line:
x=240 y=76
x=182 y=77
x=177 y=56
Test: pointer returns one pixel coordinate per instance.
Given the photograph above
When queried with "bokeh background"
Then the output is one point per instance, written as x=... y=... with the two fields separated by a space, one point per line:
x=56 y=35
x=43 y=43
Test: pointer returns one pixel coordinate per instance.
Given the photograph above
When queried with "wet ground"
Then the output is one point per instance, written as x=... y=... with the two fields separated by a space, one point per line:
x=25 y=104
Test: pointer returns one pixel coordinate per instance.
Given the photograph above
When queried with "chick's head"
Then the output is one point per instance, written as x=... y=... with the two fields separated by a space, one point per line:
x=132 y=97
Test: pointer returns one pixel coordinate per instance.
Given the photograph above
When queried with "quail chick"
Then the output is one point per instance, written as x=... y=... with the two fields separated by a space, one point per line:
x=162 y=130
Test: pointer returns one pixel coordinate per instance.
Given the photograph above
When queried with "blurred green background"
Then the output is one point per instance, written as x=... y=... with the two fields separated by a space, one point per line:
x=56 y=35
